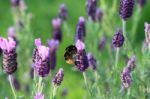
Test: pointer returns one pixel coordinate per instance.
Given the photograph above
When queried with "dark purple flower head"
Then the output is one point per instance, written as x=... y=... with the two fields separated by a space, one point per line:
x=56 y=29
x=53 y=45
x=98 y=15
x=58 y=78
x=92 y=61
x=41 y=59
x=9 y=55
x=102 y=43
x=39 y=95
x=125 y=78
x=147 y=32
x=131 y=63
x=141 y=3
x=81 y=60
x=15 y=3
x=80 y=29
x=126 y=9
x=62 y=14
x=118 y=38
x=91 y=8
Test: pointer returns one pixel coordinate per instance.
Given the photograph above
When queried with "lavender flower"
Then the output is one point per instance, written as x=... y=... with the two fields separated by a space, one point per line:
x=125 y=78
x=41 y=59
x=131 y=64
x=57 y=79
x=80 y=29
x=141 y=3
x=62 y=14
x=81 y=60
x=53 y=45
x=126 y=9
x=118 y=38
x=147 y=32
x=91 y=8
x=15 y=3
x=92 y=61
x=102 y=43
x=9 y=55
x=57 y=34
x=11 y=33
x=98 y=15
x=39 y=95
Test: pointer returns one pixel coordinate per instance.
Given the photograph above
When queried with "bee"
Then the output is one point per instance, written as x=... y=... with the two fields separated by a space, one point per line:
x=70 y=54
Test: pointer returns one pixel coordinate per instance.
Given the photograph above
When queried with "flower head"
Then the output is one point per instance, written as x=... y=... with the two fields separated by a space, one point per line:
x=98 y=15
x=92 y=61
x=53 y=45
x=79 y=45
x=62 y=14
x=80 y=29
x=102 y=42
x=125 y=78
x=56 y=29
x=41 y=59
x=118 y=38
x=9 y=55
x=57 y=79
x=126 y=9
x=39 y=95
x=11 y=32
x=131 y=63
x=91 y=8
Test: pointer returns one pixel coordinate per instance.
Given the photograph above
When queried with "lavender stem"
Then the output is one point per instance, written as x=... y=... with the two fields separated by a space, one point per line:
x=117 y=58
x=124 y=28
x=39 y=84
x=86 y=84
x=11 y=84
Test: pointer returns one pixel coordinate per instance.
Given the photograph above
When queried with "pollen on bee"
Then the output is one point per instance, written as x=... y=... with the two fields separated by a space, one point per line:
x=69 y=61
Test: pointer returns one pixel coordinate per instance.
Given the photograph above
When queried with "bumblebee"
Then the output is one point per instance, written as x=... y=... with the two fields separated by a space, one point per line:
x=70 y=53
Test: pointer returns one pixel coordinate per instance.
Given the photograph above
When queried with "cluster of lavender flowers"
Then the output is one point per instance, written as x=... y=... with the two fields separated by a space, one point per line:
x=126 y=73
x=93 y=12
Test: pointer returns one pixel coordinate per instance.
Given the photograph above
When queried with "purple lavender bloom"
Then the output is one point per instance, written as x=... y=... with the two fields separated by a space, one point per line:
x=58 y=78
x=141 y=3
x=91 y=8
x=92 y=61
x=144 y=46
x=15 y=3
x=11 y=33
x=125 y=78
x=147 y=32
x=118 y=38
x=41 y=59
x=98 y=15
x=102 y=43
x=39 y=95
x=56 y=29
x=80 y=29
x=131 y=63
x=9 y=55
x=53 y=45
x=126 y=9
x=62 y=14
x=81 y=60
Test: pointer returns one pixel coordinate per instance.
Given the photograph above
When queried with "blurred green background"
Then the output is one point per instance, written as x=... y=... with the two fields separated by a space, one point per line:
x=43 y=11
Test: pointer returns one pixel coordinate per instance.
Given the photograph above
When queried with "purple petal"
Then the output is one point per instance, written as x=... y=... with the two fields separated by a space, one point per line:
x=38 y=42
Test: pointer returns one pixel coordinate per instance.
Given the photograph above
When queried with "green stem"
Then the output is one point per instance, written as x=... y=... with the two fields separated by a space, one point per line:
x=124 y=28
x=12 y=88
x=86 y=84
x=39 y=84
x=54 y=92
x=117 y=58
